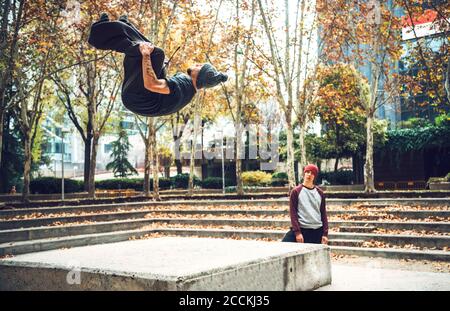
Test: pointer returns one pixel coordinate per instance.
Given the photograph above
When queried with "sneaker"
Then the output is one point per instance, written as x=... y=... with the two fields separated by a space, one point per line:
x=104 y=17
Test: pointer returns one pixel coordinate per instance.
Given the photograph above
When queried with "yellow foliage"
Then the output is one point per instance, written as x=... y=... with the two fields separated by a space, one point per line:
x=256 y=178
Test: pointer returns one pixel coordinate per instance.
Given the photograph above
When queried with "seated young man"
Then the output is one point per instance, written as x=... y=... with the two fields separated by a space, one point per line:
x=146 y=90
x=307 y=210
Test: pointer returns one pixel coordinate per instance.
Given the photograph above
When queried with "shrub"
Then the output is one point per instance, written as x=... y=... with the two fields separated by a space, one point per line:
x=49 y=185
x=280 y=175
x=336 y=178
x=214 y=183
x=120 y=184
x=164 y=183
x=279 y=182
x=182 y=181
x=279 y=179
x=256 y=178
x=447 y=177
x=131 y=183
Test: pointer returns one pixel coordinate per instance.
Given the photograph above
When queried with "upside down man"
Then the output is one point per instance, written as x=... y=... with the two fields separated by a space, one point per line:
x=146 y=89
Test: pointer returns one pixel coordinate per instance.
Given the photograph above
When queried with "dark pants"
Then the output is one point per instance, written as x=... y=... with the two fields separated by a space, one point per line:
x=125 y=38
x=309 y=236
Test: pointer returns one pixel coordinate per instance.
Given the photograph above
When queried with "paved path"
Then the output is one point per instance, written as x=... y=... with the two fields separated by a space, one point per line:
x=360 y=278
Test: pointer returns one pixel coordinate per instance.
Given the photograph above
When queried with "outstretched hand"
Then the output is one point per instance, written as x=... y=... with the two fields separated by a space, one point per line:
x=146 y=48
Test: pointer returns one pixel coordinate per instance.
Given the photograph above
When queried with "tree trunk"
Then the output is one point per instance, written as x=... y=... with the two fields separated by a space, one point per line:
x=336 y=164
x=26 y=169
x=290 y=153
x=87 y=160
x=179 y=166
x=194 y=145
x=167 y=171
x=238 y=157
x=154 y=158
x=301 y=143
x=447 y=80
x=178 y=162
x=368 y=167
x=2 y=120
x=93 y=161
x=147 y=166
x=3 y=147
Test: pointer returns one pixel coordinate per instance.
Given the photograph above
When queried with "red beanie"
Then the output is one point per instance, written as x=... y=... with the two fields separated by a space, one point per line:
x=311 y=167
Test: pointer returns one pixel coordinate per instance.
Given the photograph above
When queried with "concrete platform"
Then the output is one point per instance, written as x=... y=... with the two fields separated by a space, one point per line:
x=172 y=264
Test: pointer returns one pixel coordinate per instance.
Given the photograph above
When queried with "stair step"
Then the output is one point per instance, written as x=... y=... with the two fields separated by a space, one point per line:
x=346 y=242
x=434 y=255
x=336 y=245
x=357 y=228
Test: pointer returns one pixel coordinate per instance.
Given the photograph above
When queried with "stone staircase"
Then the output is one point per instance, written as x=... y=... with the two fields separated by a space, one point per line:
x=389 y=229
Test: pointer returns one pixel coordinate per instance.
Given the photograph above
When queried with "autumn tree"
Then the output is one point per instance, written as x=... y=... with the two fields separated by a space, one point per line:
x=341 y=99
x=89 y=92
x=247 y=86
x=11 y=22
x=426 y=63
x=364 y=33
x=287 y=51
x=199 y=45
x=37 y=52
x=308 y=55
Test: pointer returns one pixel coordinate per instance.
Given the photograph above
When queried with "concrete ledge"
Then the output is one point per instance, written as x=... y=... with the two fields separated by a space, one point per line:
x=172 y=264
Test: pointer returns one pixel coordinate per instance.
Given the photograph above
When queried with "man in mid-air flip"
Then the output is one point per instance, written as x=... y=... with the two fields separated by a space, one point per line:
x=146 y=90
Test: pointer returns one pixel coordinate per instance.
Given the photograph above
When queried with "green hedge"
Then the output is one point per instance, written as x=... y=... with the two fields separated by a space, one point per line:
x=120 y=184
x=182 y=181
x=279 y=182
x=49 y=185
x=214 y=183
x=280 y=175
x=279 y=179
x=338 y=178
x=164 y=183
x=130 y=183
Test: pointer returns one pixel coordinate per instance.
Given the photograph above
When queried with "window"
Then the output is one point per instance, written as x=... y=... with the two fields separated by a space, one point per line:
x=107 y=148
x=58 y=148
